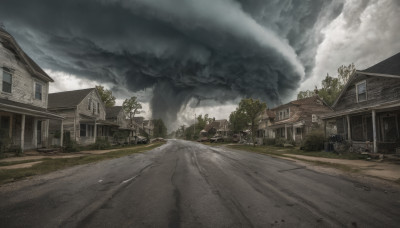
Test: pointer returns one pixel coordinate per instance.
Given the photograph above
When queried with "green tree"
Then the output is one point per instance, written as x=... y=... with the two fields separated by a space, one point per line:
x=251 y=109
x=160 y=130
x=238 y=121
x=132 y=107
x=106 y=96
x=344 y=73
x=305 y=94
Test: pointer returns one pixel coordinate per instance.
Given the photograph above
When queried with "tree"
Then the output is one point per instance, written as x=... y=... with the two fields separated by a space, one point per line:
x=344 y=73
x=251 y=109
x=331 y=86
x=160 y=130
x=238 y=121
x=106 y=96
x=132 y=107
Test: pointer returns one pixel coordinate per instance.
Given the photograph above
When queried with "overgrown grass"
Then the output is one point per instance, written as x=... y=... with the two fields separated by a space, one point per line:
x=280 y=151
x=49 y=165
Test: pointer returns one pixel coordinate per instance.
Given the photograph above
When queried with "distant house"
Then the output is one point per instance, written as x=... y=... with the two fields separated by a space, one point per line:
x=148 y=127
x=24 y=117
x=84 y=113
x=294 y=120
x=220 y=127
x=367 y=111
x=265 y=120
x=117 y=115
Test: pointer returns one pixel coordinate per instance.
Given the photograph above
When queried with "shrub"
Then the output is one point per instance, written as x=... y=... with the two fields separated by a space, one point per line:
x=314 y=141
x=268 y=141
x=69 y=145
x=101 y=144
x=280 y=141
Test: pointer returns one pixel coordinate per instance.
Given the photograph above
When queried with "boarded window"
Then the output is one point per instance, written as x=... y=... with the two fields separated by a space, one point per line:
x=357 y=128
x=83 y=130
x=7 y=81
x=362 y=91
x=38 y=91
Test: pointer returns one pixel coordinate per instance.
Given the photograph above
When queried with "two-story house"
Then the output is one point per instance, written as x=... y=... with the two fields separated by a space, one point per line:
x=84 y=113
x=24 y=87
x=297 y=118
x=128 y=128
x=367 y=111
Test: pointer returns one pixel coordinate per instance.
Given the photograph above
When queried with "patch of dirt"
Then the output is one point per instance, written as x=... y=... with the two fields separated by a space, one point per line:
x=20 y=166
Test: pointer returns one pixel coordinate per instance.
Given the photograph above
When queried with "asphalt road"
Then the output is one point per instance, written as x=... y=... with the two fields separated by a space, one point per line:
x=185 y=184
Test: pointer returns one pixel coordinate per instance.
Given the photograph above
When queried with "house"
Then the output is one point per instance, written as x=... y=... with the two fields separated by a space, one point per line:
x=220 y=127
x=148 y=127
x=117 y=115
x=24 y=117
x=84 y=113
x=264 y=121
x=294 y=120
x=367 y=111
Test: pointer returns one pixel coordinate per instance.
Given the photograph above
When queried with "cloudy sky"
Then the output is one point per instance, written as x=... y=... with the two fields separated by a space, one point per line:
x=181 y=57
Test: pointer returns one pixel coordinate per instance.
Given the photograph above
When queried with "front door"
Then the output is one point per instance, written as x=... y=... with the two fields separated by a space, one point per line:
x=39 y=132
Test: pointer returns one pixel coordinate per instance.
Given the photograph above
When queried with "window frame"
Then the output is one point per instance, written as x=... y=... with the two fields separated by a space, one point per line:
x=41 y=90
x=82 y=129
x=8 y=71
x=366 y=94
x=90 y=104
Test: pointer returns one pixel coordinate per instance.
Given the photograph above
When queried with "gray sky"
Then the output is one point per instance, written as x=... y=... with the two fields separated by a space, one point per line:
x=182 y=57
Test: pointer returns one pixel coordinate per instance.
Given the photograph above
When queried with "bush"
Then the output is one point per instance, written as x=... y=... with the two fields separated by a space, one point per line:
x=101 y=144
x=69 y=145
x=314 y=141
x=280 y=142
x=268 y=142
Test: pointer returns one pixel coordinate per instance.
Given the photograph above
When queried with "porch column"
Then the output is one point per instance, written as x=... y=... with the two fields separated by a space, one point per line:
x=348 y=128
x=374 y=130
x=34 y=135
x=95 y=130
x=285 y=132
x=46 y=133
x=62 y=133
x=294 y=134
x=23 y=132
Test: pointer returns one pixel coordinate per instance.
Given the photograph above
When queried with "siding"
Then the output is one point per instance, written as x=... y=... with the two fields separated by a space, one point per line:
x=22 y=81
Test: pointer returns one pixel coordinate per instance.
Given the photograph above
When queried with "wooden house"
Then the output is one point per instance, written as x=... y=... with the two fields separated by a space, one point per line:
x=367 y=111
x=24 y=117
x=84 y=113
x=117 y=115
x=294 y=120
x=220 y=127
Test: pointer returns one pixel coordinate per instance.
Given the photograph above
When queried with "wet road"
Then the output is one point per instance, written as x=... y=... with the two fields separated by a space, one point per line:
x=185 y=184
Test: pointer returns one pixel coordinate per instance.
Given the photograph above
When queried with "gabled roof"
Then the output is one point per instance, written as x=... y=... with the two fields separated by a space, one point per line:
x=389 y=66
x=303 y=101
x=67 y=99
x=113 y=112
x=10 y=43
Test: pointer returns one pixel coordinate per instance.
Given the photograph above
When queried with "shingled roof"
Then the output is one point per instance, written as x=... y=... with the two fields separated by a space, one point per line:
x=67 y=99
x=10 y=43
x=112 y=112
x=389 y=66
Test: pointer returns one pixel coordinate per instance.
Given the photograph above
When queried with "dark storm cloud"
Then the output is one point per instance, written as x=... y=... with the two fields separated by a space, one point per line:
x=218 y=50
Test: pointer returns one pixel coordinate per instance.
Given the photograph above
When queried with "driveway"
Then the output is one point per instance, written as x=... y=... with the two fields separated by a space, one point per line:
x=187 y=184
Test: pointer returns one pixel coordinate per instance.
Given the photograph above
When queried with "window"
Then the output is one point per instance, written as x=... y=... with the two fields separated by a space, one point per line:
x=98 y=108
x=89 y=104
x=298 y=131
x=361 y=89
x=83 y=130
x=357 y=130
x=5 y=123
x=38 y=91
x=94 y=108
x=7 y=80
x=314 y=118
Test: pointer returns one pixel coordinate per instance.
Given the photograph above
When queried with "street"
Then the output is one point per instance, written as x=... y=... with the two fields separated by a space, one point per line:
x=187 y=184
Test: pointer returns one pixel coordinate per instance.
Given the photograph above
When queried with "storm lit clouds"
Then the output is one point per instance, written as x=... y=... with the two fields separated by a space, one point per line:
x=185 y=57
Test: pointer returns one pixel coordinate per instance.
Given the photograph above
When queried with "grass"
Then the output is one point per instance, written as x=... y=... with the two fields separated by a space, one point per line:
x=49 y=165
x=280 y=151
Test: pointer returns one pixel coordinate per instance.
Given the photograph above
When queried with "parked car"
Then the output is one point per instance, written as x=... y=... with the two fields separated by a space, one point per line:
x=142 y=140
x=216 y=139
x=203 y=139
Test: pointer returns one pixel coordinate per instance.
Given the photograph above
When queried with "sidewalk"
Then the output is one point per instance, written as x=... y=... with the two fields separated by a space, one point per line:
x=383 y=170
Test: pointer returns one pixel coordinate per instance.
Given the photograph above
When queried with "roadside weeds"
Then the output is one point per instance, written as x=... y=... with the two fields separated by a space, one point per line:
x=47 y=165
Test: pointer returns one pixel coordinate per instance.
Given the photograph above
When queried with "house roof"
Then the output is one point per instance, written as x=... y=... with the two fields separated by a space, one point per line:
x=303 y=101
x=113 y=112
x=10 y=43
x=389 y=66
x=67 y=99
x=217 y=124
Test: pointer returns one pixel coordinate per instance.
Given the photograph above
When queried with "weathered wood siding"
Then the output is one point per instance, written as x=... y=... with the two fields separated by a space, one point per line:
x=23 y=83
x=83 y=106
x=379 y=90
x=68 y=122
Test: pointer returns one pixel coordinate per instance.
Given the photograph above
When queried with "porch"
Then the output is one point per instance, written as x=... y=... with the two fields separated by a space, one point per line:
x=26 y=128
x=293 y=131
x=369 y=130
